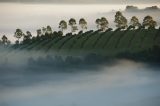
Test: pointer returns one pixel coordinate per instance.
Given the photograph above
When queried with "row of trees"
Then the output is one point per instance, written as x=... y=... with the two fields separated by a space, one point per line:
x=102 y=25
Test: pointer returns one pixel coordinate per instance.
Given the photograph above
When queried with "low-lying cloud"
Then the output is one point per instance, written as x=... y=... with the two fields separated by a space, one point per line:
x=118 y=83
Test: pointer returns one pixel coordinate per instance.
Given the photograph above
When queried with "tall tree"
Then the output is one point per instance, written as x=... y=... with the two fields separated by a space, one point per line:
x=49 y=30
x=104 y=23
x=148 y=22
x=63 y=25
x=83 y=23
x=44 y=30
x=4 y=39
x=120 y=20
x=39 y=32
x=18 y=34
x=98 y=22
x=135 y=22
x=72 y=23
x=27 y=36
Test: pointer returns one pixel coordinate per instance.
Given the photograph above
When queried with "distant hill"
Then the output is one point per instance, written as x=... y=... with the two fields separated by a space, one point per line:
x=136 y=9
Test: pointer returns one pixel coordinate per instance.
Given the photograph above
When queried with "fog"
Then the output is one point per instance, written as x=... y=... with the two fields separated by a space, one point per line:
x=114 y=83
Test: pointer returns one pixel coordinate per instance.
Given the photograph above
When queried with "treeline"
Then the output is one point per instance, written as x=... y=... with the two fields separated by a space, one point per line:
x=91 y=61
x=101 y=23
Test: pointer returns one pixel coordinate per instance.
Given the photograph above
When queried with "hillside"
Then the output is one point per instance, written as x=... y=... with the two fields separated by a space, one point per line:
x=108 y=43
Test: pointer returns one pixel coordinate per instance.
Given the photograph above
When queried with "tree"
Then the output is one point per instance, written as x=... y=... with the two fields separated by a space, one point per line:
x=49 y=30
x=39 y=32
x=44 y=30
x=120 y=20
x=98 y=22
x=4 y=39
x=72 y=23
x=135 y=22
x=83 y=23
x=18 y=34
x=17 y=42
x=28 y=36
x=63 y=25
x=153 y=24
x=103 y=23
x=149 y=22
x=60 y=33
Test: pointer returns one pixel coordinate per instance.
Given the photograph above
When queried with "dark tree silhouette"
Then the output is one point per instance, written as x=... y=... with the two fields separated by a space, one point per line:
x=72 y=23
x=135 y=22
x=39 y=32
x=49 y=30
x=104 y=23
x=18 y=34
x=83 y=24
x=4 y=39
x=98 y=22
x=63 y=25
x=148 y=22
x=27 y=37
x=44 y=30
x=120 y=20
x=60 y=33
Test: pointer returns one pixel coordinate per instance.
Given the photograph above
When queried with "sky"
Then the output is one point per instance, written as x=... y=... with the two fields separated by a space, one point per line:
x=34 y=14
x=84 y=1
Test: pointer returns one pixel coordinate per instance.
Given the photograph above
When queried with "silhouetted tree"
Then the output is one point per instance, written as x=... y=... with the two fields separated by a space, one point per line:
x=83 y=24
x=4 y=39
x=72 y=23
x=18 y=34
x=63 y=25
x=27 y=37
x=148 y=22
x=120 y=20
x=135 y=22
x=17 y=42
x=39 y=32
x=98 y=22
x=60 y=33
x=44 y=30
x=49 y=30
x=103 y=23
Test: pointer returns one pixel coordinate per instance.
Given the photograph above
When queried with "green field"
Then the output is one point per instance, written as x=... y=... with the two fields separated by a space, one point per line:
x=106 y=43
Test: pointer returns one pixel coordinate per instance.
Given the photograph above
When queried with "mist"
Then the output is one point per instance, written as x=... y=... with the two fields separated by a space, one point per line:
x=113 y=83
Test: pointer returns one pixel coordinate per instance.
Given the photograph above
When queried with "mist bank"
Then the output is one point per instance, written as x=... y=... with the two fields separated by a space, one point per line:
x=121 y=84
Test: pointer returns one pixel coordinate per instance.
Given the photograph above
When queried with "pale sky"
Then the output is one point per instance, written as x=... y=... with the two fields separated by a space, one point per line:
x=32 y=16
x=85 y=1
